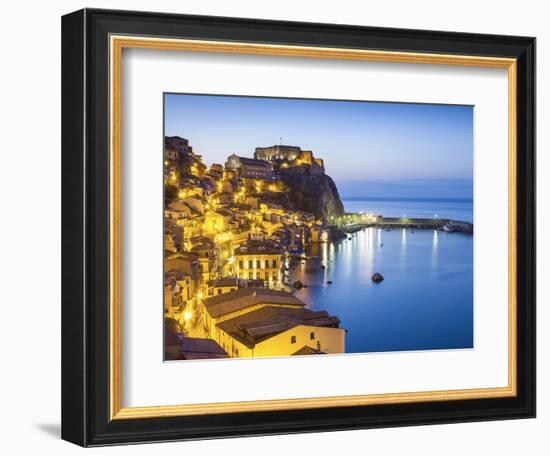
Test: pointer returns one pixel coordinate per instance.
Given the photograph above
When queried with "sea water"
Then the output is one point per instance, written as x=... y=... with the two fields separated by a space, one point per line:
x=426 y=298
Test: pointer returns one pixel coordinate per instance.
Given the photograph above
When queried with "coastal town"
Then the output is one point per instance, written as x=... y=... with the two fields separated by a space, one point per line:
x=233 y=234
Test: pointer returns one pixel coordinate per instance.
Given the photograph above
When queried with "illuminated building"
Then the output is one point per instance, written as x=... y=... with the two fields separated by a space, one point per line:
x=274 y=331
x=258 y=261
x=176 y=147
x=216 y=171
x=235 y=303
x=290 y=156
x=184 y=262
x=278 y=152
x=177 y=210
x=221 y=286
x=249 y=168
x=206 y=258
x=216 y=221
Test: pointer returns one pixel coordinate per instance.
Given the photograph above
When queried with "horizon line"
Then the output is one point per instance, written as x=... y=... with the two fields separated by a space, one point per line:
x=397 y=198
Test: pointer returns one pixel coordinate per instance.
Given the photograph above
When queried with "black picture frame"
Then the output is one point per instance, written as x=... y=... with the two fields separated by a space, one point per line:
x=85 y=227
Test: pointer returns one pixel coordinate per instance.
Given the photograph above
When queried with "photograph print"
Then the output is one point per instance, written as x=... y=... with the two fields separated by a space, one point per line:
x=298 y=227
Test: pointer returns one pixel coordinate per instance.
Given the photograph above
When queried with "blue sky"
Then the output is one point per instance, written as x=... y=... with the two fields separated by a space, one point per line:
x=369 y=149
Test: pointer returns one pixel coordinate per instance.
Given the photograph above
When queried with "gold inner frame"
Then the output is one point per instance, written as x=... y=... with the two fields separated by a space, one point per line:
x=117 y=44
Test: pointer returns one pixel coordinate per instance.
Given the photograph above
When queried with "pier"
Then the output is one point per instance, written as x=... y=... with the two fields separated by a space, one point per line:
x=352 y=222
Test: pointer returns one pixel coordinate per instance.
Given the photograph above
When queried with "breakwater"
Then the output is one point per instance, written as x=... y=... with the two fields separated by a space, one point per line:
x=353 y=223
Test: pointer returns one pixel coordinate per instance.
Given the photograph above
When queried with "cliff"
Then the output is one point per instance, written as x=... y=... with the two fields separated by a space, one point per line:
x=315 y=193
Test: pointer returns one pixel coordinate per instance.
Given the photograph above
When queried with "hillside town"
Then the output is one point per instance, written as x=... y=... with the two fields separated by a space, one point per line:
x=232 y=234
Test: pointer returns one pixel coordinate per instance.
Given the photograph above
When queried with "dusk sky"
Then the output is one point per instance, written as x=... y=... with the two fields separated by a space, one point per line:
x=369 y=149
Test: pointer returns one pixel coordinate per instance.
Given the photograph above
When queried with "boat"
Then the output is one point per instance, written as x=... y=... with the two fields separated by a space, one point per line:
x=448 y=228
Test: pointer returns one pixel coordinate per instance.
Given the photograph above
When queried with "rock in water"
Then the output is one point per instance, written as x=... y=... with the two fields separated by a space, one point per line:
x=297 y=284
x=377 y=277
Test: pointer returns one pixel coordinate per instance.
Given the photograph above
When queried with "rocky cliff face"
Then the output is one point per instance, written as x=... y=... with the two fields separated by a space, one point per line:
x=316 y=193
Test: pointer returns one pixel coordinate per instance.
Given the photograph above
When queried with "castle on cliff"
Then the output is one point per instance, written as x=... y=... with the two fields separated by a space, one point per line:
x=285 y=157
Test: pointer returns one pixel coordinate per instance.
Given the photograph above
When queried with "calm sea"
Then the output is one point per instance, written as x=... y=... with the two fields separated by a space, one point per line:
x=426 y=299
x=456 y=209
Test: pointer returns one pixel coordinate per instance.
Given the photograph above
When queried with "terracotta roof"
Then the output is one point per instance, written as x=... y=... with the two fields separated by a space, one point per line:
x=262 y=324
x=233 y=301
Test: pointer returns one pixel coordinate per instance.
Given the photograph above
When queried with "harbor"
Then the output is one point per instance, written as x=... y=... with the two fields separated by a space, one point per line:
x=354 y=222
x=424 y=302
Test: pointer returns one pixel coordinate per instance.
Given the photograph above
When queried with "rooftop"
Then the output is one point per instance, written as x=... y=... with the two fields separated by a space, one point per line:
x=224 y=282
x=224 y=212
x=280 y=146
x=307 y=350
x=243 y=298
x=201 y=247
x=262 y=324
x=182 y=255
x=257 y=248
x=253 y=161
x=194 y=347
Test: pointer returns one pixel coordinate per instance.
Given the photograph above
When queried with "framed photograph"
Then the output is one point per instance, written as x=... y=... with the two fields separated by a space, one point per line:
x=278 y=227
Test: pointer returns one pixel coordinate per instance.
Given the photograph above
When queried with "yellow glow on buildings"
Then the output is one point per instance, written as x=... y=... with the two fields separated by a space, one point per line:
x=213 y=222
x=285 y=326
x=239 y=244
x=258 y=266
x=288 y=343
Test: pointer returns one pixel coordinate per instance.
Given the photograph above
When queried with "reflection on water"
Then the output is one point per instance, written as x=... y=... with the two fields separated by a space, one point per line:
x=424 y=302
x=435 y=241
